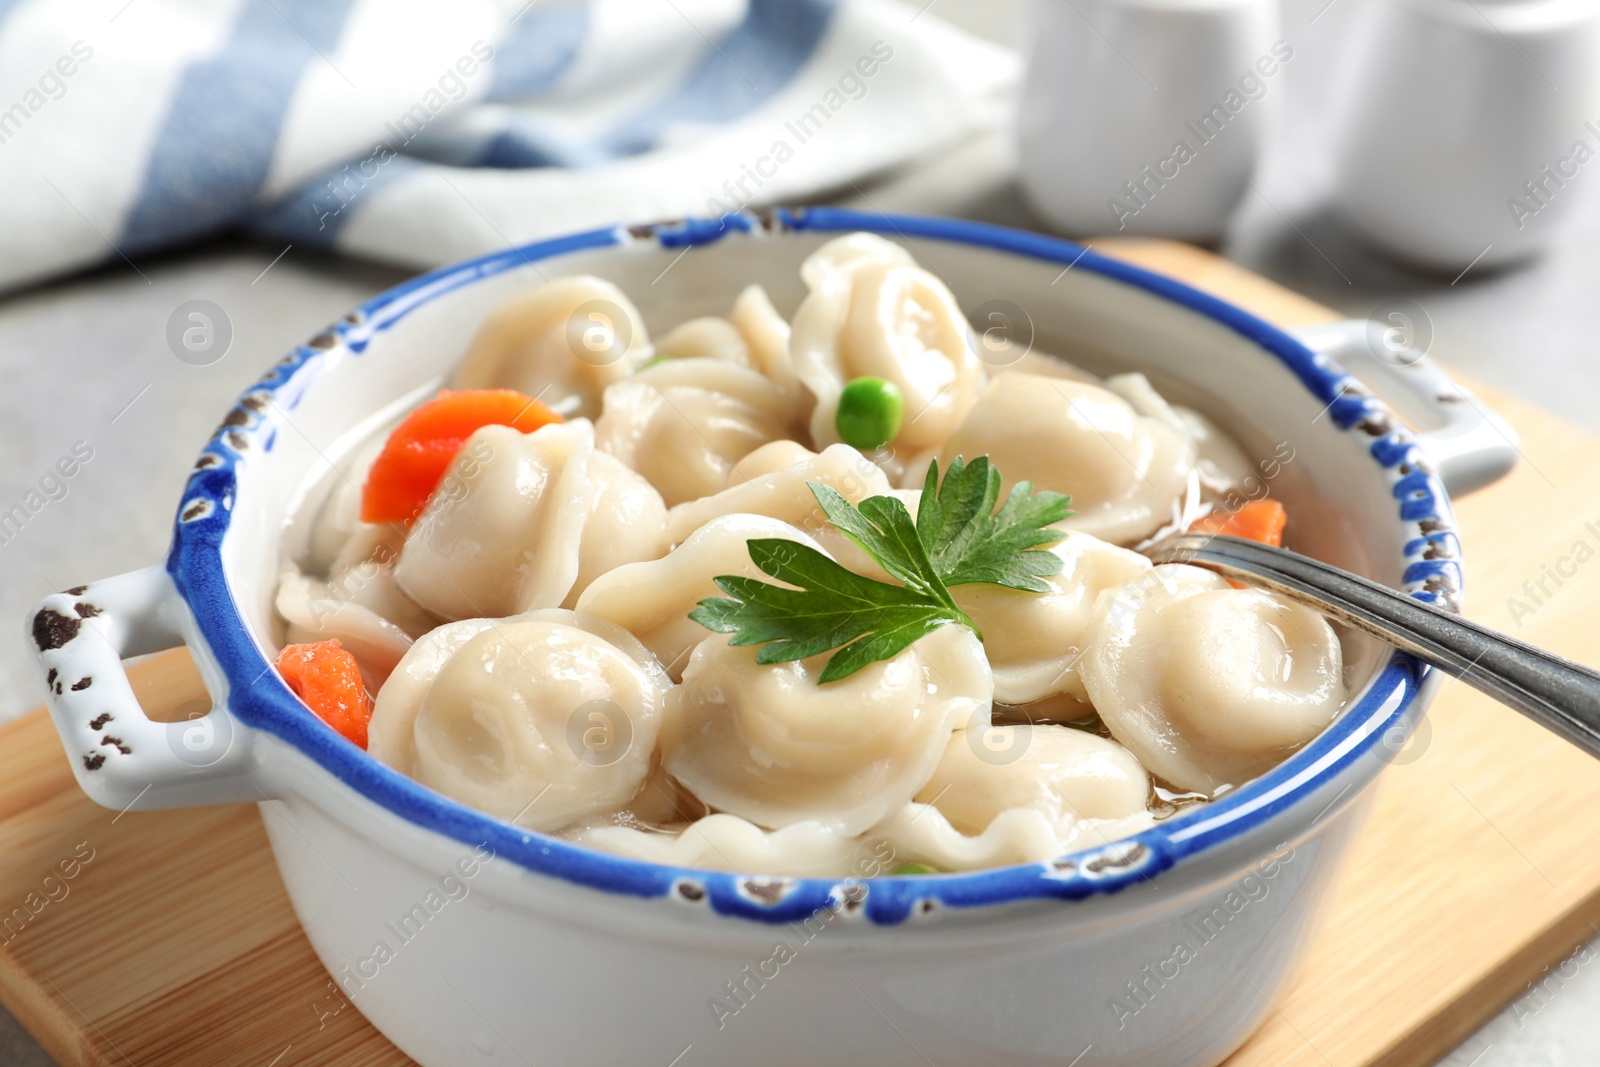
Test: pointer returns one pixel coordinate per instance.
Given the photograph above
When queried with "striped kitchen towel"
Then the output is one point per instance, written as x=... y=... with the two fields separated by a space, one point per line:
x=419 y=132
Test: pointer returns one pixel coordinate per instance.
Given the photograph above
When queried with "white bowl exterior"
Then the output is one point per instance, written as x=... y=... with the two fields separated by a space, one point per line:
x=1175 y=973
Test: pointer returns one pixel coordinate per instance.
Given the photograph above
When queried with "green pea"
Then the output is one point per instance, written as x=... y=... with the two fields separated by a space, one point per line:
x=654 y=363
x=870 y=410
x=915 y=868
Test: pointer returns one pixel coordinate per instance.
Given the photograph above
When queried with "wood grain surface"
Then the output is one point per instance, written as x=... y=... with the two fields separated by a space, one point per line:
x=171 y=940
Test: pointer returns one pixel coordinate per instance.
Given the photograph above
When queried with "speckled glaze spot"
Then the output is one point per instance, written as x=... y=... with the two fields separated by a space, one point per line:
x=94 y=761
x=50 y=679
x=236 y=417
x=51 y=629
x=100 y=720
x=766 y=890
x=323 y=340
x=116 y=743
x=195 y=509
x=851 y=897
x=257 y=401
x=77 y=590
x=770 y=221
x=691 y=892
x=1116 y=858
x=355 y=318
x=236 y=440
x=207 y=460
x=86 y=611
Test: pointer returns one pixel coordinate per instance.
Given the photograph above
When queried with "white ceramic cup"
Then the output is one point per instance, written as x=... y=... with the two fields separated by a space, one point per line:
x=1146 y=116
x=1471 y=128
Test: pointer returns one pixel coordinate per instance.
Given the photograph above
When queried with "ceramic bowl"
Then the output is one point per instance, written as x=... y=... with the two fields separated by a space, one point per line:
x=470 y=941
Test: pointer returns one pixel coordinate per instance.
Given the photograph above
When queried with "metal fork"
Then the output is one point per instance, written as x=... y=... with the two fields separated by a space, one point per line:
x=1558 y=694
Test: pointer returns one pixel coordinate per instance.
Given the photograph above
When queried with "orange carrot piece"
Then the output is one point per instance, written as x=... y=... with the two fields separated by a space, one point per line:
x=326 y=679
x=1260 y=520
x=418 y=453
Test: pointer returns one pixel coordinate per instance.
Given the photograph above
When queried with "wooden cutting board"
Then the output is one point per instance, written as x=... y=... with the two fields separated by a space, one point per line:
x=173 y=943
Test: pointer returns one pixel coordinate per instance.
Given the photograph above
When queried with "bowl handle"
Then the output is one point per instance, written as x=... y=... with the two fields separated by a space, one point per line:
x=124 y=759
x=1469 y=445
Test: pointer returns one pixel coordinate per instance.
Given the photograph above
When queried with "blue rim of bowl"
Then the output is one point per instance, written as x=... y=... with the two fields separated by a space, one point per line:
x=260 y=700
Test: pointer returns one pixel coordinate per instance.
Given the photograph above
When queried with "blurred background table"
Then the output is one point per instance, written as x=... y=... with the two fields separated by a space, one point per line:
x=87 y=360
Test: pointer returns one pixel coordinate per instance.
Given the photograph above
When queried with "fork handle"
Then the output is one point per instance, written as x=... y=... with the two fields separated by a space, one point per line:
x=1558 y=694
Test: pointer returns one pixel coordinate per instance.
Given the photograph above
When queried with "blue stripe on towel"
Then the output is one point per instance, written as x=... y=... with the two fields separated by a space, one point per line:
x=314 y=214
x=745 y=69
x=8 y=6
x=213 y=152
x=536 y=50
x=751 y=64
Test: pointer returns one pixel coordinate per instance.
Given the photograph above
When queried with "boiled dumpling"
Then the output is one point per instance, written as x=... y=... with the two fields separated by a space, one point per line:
x=684 y=423
x=1017 y=794
x=562 y=343
x=871 y=311
x=541 y=719
x=766 y=337
x=722 y=842
x=652 y=600
x=627 y=523
x=363 y=572
x=1034 y=640
x=783 y=493
x=312 y=613
x=754 y=335
x=1222 y=464
x=1124 y=471
x=522 y=527
x=338 y=520
x=1065 y=773
x=920 y=833
x=767 y=743
x=705 y=338
x=1207 y=684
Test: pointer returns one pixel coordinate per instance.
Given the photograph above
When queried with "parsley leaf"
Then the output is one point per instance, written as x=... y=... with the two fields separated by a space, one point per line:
x=958 y=538
x=969 y=541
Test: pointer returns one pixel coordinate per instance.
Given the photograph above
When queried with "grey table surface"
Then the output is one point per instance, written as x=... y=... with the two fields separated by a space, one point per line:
x=86 y=360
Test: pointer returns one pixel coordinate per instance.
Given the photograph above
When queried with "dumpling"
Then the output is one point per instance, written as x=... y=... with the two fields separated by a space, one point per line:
x=766 y=337
x=522 y=528
x=1018 y=794
x=871 y=311
x=920 y=833
x=723 y=842
x=767 y=743
x=363 y=572
x=338 y=520
x=1221 y=463
x=1034 y=640
x=652 y=600
x=783 y=494
x=1124 y=471
x=684 y=423
x=1065 y=773
x=627 y=522
x=312 y=613
x=541 y=719
x=768 y=459
x=754 y=335
x=1207 y=684
x=562 y=343
x=705 y=338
